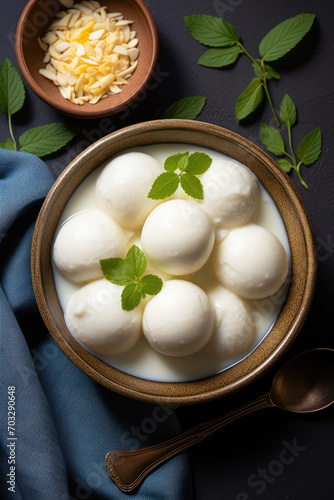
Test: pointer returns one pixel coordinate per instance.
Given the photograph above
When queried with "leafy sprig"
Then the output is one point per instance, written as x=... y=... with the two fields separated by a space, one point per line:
x=40 y=141
x=308 y=150
x=181 y=169
x=128 y=272
x=215 y=32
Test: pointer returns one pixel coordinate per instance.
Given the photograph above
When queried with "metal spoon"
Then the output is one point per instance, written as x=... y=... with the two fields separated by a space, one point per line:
x=304 y=384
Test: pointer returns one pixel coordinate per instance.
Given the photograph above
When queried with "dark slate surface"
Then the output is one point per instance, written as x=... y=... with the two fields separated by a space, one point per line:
x=270 y=455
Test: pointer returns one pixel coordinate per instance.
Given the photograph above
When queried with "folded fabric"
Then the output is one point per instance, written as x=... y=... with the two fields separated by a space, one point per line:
x=61 y=423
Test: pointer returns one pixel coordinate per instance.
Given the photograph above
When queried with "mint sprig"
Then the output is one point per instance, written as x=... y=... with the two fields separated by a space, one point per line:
x=308 y=150
x=127 y=272
x=181 y=169
x=40 y=141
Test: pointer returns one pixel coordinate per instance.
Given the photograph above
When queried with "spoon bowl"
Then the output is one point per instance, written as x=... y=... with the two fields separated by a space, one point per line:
x=304 y=384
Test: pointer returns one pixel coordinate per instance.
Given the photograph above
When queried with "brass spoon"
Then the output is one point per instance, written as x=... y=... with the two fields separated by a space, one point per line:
x=304 y=384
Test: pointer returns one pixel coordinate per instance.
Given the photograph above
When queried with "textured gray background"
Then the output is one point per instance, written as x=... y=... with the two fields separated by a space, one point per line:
x=227 y=465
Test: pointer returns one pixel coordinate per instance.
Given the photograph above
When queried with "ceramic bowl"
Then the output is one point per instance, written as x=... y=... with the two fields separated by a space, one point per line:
x=298 y=228
x=34 y=22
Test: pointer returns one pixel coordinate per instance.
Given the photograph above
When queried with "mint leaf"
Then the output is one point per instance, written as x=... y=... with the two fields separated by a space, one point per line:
x=183 y=162
x=131 y=297
x=211 y=31
x=310 y=147
x=192 y=186
x=12 y=93
x=270 y=72
x=116 y=271
x=187 y=108
x=151 y=284
x=288 y=111
x=249 y=100
x=285 y=165
x=285 y=36
x=7 y=144
x=217 y=58
x=46 y=139
x=164 y=185
x=172 y=162
x=136 y=262
x=198 y=163
x=272 y=140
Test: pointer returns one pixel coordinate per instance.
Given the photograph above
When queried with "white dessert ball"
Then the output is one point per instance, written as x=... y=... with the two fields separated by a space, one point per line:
x=251 y=262
x=179 y=320
x=234 y=328
x=231 y=193
x=178 y=237
x=84 y=239
x=95 y=317
x=123 y=185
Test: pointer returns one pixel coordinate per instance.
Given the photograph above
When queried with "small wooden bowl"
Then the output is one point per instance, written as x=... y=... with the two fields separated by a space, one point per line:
x=34 y=22
x=297 y=224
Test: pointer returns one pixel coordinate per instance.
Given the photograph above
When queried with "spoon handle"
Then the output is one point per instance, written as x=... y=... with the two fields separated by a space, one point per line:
x=128 y=468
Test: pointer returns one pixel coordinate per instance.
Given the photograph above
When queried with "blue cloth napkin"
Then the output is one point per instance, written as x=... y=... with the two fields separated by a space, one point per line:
x=64 y=422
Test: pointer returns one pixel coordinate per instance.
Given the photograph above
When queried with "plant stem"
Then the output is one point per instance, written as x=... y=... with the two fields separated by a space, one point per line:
x=264 y=81
x=246 y=53
x=300 y=176
x=293 y=157
x=11 y=130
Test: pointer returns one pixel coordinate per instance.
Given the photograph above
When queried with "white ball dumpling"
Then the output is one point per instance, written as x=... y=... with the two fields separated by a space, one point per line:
x=178 y=237
x=123 y=185
x=83 y=240
x=179 y=320
x=234 y=329
x=95 y=317
x=251 y=262
x=231 y=193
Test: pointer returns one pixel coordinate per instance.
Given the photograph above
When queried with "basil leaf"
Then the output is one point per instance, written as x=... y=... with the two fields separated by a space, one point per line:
x=131 y=297
x=288 y=111
x=47 y=139
x=172 y=162
x=217 y=58
x=285 y=36
x=135 y=262
x=12 y=92
x=116 y=271
x=211 y=31
x=192 y=186
x=151 y=284
x=187 y=108
x=272 y=140
x=198 y=163
x=249 y=100
x=310 y=147
x=163 y=186
x=285 y=165
x=7 y=144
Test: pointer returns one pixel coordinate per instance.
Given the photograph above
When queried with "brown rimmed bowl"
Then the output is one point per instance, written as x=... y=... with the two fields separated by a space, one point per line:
x=33 y=23
x=298 y=228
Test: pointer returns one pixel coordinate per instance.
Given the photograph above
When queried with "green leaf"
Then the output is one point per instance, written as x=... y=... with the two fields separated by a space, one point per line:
x=270 y=72
x=198 y=163
x=47 y=139
x=116 y=271
x=192 y=186
x=151 y=284
x=131 y=297
x=272 y=140
x=249 y=100
x=285 y=165
x=285 y=36
x=12 y=92
x=310 y=147
x=187 y=108
x=7 y=144
x=163 y=186
x=183 y=162
x=288 y=111
x=136 y=262
x=211 y=31
x=172 y=162
x=217 y=58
